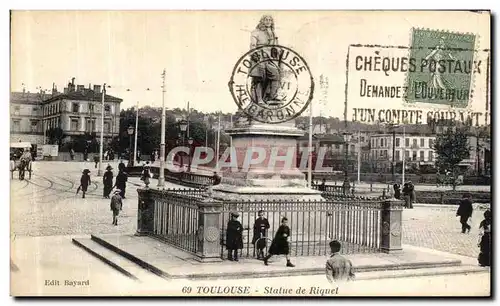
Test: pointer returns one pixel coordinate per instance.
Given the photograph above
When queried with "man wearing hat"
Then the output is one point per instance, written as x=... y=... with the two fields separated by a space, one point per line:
x=146 y=174
x=107 y=180
x=234 y=239
x=84 y=182
x=116 y=205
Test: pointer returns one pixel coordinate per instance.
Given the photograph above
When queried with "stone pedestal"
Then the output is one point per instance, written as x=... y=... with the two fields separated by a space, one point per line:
x=390 y=239
x=275 y=176
x=145 y=211
x=209 y=225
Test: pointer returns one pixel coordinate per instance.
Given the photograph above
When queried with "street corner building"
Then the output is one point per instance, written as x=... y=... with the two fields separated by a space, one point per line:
x=75 y=111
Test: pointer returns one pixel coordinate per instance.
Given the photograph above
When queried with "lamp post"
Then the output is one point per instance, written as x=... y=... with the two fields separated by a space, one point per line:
x=393 y=166
x=346 y=185
x=101 y=144
x=161 y=177
x=130 y=132
x=190 y=142
x=183 y=125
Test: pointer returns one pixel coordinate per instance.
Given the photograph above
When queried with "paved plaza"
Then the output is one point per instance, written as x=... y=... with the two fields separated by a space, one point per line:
x=46 y=213
x=48 y=205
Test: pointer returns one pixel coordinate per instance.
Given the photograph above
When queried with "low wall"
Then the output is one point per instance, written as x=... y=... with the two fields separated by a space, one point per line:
x=450 y=197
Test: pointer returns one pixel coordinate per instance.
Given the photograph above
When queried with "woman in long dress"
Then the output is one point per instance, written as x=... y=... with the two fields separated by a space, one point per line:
x=484 y=257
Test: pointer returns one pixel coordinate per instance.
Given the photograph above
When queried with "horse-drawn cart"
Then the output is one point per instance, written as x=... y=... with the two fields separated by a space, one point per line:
x=20 y=159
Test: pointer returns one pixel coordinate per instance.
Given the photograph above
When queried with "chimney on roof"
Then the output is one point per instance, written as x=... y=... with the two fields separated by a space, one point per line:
x=73 y=81
x=80 y=88
x=97 y=88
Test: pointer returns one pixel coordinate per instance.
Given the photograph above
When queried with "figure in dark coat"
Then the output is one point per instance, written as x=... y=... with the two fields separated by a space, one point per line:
x=84 y=182
x=107 y=180
x=216 y=178
x=322 y=187
x=260 y=228
x=116 y=205
x=465 y=212
x=121 y=166
x=397 y=191
x=280 y=245
x=121 y=183
x=407 y=195
x=484 y=257
x=234 y=238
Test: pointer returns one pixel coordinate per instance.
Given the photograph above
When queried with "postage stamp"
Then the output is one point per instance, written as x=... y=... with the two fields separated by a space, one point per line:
x=272 y=84
x=446 y=67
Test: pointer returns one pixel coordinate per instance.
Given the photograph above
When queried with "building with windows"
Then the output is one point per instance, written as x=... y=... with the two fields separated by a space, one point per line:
x=25 y=117
x=77 y=110
x=414 y=147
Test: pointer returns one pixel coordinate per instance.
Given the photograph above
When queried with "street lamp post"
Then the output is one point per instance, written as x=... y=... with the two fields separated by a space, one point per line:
x=130 y=132
x=190 y=142
x=183 y=125
x=99 y=171
x=393 y=166
x=161 y=177
x=346 y=185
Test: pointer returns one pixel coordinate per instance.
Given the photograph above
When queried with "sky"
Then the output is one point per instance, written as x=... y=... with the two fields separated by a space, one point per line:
x=198 y=50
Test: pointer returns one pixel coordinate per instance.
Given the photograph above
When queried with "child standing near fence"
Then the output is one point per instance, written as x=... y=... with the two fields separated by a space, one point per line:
x=260 y=228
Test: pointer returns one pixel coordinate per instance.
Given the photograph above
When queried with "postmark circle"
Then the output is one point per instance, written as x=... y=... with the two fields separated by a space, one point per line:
x=272 y=84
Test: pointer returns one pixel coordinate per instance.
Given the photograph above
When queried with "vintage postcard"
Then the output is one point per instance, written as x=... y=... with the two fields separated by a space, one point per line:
x=250 y=153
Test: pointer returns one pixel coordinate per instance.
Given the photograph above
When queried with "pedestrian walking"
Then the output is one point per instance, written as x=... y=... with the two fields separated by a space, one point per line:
x=107 y=180
x=96 y=160
x=397 y=191
x=338 y=268
x=280 y=245
x=85 y=155
x=146 y=174
x=484 y=244
x=260 y=228
x=464 y=211
x=84 y=182
x=116 y=205
x=72 y=154
x=234 y=238
x=121 y=182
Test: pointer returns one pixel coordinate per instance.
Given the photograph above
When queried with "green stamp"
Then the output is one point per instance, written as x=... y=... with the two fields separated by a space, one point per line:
x=442 y=68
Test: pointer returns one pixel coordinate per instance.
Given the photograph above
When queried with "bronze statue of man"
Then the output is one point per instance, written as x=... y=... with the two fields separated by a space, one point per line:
x=266 y=74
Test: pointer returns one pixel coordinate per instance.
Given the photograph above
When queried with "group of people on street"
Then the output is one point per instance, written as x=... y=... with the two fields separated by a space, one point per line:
x=409 y=195
x=279 y=245
x=120 y=186
x=464 y=211
x=338 y=268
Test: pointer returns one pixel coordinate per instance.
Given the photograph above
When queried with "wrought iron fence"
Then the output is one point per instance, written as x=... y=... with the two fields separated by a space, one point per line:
x=193 y=221
x=175 y=218
x=313 y=224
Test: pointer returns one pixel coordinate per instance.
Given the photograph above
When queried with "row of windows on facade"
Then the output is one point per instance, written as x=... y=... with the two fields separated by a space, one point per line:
x=384 y=142
x=414 y=155
x=54 y=108
x=54 y=122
